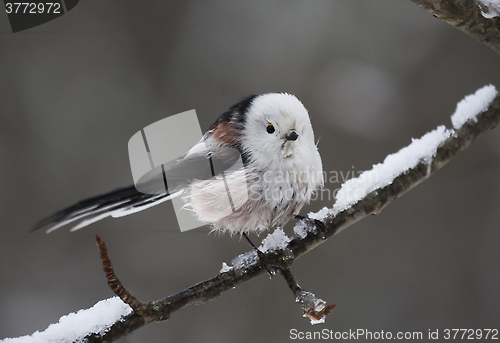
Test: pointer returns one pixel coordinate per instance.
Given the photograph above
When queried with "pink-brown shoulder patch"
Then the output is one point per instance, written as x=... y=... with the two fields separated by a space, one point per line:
x=226 y=132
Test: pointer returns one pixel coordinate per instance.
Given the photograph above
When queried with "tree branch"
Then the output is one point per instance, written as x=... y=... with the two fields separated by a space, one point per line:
x=372 y=203
x=466 y=15
x=463 y=14
x=427 y=155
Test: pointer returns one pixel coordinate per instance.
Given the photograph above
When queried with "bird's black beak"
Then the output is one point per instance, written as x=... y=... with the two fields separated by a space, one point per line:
x=292 y=136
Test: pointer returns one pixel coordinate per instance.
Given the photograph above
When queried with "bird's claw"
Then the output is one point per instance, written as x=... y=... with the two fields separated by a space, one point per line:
x=271 y=268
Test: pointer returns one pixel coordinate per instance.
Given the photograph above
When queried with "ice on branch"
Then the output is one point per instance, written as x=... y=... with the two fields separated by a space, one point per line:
x=314 y=308
x=245 y=260
x=275 y=241
x=489 y=8
x=302 y=228
x=75 y=326
x=470 y=106
x=225 y=268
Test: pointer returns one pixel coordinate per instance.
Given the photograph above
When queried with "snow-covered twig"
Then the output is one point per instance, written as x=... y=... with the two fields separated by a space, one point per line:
x=401 y=172
x=478 y=18
x=75 y=327
x=314 y=308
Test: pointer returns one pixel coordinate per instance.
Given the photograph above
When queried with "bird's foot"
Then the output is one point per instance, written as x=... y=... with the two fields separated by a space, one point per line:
x=270 y=267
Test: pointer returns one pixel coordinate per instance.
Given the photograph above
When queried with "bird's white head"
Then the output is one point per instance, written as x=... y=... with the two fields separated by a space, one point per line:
x=277 y=127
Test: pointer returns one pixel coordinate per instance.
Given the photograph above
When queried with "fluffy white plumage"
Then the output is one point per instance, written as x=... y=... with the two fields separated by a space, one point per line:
x=281 y=174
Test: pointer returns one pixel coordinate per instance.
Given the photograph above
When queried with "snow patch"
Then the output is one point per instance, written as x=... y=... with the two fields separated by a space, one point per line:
x=301 y=228
x=320 y=215
x=470 y=106
x=492 y=8
x=382 y=174
x=277 y=240
x=75 y=326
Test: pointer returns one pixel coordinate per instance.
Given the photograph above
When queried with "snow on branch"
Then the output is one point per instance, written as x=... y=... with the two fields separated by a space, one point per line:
x=478 y=18
x=489 y=8
x=470 y=106
x=111 y=319
x=74 y=327
x=420 y=150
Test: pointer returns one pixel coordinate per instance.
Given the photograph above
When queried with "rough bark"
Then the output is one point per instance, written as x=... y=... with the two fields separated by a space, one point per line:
x=466 y=16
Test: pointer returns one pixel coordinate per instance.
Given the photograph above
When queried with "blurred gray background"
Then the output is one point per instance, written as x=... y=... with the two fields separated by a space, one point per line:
x=373 y=74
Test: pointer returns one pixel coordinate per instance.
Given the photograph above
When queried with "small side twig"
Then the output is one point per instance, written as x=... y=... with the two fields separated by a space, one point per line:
x=115 y=284
x=314 y=308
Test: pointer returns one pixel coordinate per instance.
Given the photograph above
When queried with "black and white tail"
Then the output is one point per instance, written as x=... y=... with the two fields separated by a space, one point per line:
x=118 y=203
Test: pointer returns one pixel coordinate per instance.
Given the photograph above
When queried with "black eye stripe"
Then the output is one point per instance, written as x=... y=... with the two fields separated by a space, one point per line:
x=270 y=128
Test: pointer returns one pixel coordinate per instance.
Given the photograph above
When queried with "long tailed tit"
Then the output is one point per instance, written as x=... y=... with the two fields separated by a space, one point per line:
x=281 y=170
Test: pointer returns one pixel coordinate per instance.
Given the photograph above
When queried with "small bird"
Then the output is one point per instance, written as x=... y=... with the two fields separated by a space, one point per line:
x=282 y=169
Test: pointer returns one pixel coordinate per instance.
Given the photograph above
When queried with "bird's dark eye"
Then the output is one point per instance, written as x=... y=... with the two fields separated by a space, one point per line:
x=270 y=128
